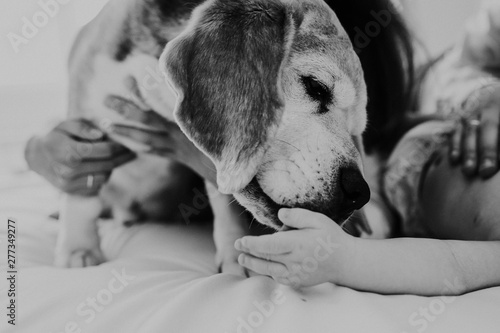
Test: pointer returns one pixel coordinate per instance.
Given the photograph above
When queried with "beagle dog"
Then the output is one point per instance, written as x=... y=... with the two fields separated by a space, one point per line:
x=270 y=90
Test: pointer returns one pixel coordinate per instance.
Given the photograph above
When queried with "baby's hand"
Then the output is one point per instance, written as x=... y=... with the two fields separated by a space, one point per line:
x=318 y=251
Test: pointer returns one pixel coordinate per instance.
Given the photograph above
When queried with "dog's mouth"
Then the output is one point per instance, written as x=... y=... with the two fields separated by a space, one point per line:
x=269 y=208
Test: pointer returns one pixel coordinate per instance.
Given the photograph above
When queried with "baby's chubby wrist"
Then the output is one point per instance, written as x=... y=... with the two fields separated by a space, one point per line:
x=345 y=260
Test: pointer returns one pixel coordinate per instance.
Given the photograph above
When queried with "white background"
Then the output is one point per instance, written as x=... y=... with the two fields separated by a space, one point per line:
x=43 y=60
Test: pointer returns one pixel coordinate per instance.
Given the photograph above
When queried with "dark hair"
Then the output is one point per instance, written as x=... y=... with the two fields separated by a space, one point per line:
x=387 y=59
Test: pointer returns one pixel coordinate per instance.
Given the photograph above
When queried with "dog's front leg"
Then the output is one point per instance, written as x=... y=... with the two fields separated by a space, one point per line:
x=229 y=225
x=78 y=239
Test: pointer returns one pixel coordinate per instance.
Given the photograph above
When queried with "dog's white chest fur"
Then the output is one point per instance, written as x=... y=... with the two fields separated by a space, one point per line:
x=108 y=79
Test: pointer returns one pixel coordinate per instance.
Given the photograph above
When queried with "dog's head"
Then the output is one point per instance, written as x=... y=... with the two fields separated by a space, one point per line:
x=273 y=92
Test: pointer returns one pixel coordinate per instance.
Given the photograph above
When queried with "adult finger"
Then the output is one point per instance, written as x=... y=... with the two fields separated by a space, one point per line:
x=69 y=151
x=35 y=156
x=102 y=150
x=76 y=170
x=131 y=111
x=127 y=109
x=122 y=159
x=133 y=87
x=456 y=143
x=276 y=244
x=488 y=142
x=263 y=267
x=470 y=147
x=82 y=129
x=156 y=140
x=88 y=185
x=302 y=219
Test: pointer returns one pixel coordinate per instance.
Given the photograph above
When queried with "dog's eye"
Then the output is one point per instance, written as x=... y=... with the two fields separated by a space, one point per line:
x=318 y=91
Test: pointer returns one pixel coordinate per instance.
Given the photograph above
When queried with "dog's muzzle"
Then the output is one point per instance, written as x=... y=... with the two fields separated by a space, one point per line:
x=349 y=193
x=355 y=190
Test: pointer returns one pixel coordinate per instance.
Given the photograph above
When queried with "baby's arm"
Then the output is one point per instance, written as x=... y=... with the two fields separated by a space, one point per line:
x=320 y=251
x=425 y=267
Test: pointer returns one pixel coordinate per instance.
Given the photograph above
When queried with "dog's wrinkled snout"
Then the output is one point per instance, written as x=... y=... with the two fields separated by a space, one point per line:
x=355 y=190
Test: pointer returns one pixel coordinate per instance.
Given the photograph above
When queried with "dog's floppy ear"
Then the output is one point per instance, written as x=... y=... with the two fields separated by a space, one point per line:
x=226 y=69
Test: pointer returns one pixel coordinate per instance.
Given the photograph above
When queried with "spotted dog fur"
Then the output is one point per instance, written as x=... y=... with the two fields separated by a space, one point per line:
x=271 y=90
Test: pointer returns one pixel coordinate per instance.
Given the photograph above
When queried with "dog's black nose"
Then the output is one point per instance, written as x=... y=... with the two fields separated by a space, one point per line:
x=355 y=190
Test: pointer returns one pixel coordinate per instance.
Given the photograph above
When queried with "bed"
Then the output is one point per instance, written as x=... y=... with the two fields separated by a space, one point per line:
x=162 y=278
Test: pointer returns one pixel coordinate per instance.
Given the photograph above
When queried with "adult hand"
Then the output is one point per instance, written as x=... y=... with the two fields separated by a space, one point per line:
x=475 y=142
x=76 y=157
x=164 y=138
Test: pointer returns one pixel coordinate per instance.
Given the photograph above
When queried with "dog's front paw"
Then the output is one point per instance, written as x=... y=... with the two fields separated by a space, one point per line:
x=67 y=256
x=78 y=258
x=227 y=262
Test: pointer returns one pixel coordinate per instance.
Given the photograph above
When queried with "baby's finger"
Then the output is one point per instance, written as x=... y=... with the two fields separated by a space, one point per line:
x=263 y=267
x=488 y=142
x=302 y=219
x=456 y=143
x=470 y=148
x=277 y=244
x=257 y=253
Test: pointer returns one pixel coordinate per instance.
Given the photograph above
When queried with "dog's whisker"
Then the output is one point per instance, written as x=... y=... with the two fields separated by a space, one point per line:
x=209 y=166
x=251 y=222
x=343 y=224
x=295 y=163
x=288 y=143
x=345 y=229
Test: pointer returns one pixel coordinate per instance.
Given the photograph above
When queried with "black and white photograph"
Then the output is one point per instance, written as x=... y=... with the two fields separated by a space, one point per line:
x=250 y=166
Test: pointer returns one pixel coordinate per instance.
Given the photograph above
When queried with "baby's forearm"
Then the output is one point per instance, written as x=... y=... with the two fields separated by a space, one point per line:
x=421 y=266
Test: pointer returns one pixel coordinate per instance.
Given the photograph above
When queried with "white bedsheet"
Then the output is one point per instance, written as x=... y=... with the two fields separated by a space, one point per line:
x=168 y=284
x=174 y=286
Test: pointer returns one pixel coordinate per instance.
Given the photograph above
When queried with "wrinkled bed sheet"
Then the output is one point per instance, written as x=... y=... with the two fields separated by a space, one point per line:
x=162 y=278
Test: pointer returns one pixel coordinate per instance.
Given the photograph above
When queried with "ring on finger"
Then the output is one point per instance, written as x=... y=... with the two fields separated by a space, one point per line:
x=474 y=123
